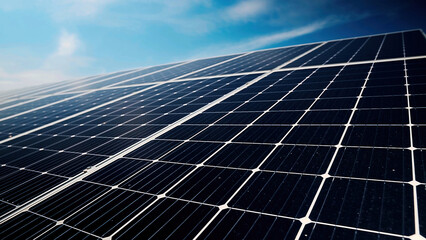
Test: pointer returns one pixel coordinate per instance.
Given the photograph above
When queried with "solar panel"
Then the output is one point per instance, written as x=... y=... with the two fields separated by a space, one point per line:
x=317 y=141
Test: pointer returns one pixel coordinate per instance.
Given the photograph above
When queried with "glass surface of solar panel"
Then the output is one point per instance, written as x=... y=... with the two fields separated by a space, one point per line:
x=324 y=148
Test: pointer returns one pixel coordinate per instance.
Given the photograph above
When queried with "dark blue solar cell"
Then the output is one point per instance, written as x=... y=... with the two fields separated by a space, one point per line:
x=326 y=117
x=417 y=100
x=300 y=104
x=240 y=155
x=323 y=135
x=143 y=131
x=335 y=103
x=380 y=136
x=421 y=196
x=383 y=91
x=392 y=47
x=420 y=165
x=299 y=159
x=372 y=163
x=262 y=134
x=224 y=107
x=380 y=116
x=157 y=177
x=218 y=133
x=415 y=43
x=192 y=152
x=371 y=205
x=276 y=193
x=233 y=224
x=239 y=118
x=117 y=171
x=153 y=149
x=114 y=146
x=182 y=132
x=317 y=231
x=341 y=92
x=303 y=94
x=284 y=117
x=418 y=136
x=87 y=145
x=210 y=185
x=383 y=102
x=205 y=118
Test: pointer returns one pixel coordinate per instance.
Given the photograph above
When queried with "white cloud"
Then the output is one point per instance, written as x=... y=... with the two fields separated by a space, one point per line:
x=246 y=10
x=68 y=44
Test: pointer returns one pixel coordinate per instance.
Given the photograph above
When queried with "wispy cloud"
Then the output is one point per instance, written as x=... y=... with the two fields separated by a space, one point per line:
x=270 y=39
x=246 y=10
x=262 y=40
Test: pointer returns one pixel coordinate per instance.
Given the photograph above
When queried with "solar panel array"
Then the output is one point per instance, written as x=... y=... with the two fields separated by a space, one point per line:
x=317 y=141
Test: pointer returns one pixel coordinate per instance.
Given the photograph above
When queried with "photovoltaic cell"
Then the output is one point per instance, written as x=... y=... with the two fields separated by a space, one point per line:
x=314 y=141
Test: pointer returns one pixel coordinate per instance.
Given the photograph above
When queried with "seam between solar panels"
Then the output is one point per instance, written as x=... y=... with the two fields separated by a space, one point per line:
x=306 y=220
x=66 y=184
x=225 y=206
x=414 y=183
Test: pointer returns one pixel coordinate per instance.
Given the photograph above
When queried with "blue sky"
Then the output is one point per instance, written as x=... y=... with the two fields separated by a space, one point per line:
x=44 y=41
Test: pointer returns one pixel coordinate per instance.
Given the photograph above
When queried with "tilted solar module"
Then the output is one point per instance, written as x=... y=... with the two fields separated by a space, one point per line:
x=317 y=141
